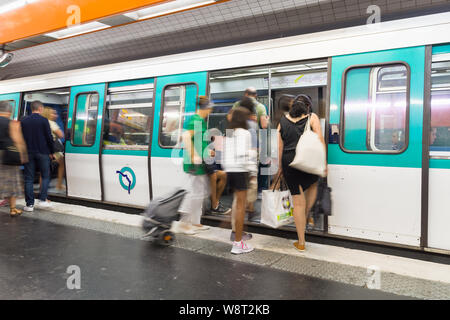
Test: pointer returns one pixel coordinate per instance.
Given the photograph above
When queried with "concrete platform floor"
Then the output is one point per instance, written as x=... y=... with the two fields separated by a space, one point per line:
x=35 y=255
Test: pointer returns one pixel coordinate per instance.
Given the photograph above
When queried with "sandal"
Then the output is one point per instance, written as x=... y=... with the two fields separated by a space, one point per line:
x=299 y=247
x=13 y=212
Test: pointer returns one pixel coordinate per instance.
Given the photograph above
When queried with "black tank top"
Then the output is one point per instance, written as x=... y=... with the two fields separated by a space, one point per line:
x=5 y=139
x=291 y=132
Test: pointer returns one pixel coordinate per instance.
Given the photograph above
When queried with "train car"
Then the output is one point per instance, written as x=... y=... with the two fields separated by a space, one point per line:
x=382 y=92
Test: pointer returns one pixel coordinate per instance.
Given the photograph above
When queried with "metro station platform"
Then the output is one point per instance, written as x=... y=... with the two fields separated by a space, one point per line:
x=37 y=248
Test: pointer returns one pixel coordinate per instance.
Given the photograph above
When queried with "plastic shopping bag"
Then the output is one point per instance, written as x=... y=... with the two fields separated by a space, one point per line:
x=276 y=208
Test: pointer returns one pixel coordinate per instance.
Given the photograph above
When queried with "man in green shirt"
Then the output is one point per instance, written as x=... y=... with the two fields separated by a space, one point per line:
x=197 y=184
x=261 y=113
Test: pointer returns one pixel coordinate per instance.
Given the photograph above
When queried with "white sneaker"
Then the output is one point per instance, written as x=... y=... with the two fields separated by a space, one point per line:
x=241 y=247
x=44 y=204
x=28 y=208
x=202 y=228
x=181 y=227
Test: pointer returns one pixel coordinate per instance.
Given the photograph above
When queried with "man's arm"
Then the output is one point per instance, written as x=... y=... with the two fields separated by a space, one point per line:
x=48 y=137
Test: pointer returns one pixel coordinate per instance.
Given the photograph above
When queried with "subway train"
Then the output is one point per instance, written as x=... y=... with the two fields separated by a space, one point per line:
x=382 y=92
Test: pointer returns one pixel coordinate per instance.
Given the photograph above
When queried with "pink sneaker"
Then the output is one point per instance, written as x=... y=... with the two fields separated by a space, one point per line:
x=4 y=203
x=241 y=247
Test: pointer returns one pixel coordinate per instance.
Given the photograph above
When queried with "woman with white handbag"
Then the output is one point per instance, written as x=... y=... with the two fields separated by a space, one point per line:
x=301 y=162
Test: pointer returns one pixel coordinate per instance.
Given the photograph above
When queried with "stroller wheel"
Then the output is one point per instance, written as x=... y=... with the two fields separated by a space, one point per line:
x=166 y=238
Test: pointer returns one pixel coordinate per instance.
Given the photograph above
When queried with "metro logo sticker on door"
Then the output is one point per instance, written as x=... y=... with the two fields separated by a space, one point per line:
x=127 y=179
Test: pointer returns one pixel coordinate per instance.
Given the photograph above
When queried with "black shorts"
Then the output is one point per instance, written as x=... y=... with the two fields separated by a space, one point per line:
x=211 y=168
x=238 y=181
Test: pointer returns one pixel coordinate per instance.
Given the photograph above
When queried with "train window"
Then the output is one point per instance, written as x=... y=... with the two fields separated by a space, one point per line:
x=440 y=107
x=128 y=120
x=175 y=101
x=85 y=119
x=375 y=109
x=12 y=103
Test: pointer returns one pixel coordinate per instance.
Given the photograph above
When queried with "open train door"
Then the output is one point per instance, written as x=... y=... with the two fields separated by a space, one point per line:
x=375 y=163
x=83 y=144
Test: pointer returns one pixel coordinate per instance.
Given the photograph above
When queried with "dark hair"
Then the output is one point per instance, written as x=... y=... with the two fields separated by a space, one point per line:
x=248 y=104
x=239 y=118
x=285 y=102
x=5 y=107
x=302 y=105
x=35 y=105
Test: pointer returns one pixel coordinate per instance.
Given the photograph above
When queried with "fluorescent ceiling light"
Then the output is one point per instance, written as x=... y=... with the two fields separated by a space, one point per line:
x=15 y=5
x=78 y=29
x=166 y=8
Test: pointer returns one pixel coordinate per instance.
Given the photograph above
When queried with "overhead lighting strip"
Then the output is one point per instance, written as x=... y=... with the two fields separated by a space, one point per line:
x=78 y=29
x=167 y=8
x=15 y=5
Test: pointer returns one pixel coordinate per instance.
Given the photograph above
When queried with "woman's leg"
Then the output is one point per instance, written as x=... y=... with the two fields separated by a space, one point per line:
x=213 y=186
x=299 y=215
x=310 y=196
x=60 y=173
x=241 y=198
x=12 y=202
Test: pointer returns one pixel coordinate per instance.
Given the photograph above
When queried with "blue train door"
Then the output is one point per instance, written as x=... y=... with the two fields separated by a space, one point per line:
x=83 y=148
x=439 y=151
x=14 y=100
x=175 y=101
x=375 y=164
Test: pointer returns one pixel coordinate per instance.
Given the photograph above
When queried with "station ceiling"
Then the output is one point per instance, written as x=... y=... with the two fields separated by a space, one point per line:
x=226 y=23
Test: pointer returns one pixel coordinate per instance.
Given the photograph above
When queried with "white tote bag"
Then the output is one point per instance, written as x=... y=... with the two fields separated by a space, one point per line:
x=310 y=155
x=276 y=208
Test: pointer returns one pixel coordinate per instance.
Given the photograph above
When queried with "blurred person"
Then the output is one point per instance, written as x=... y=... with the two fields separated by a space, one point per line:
x=218 y=182
x=11 y=185
x=38 y=137
x=263 y=123
x=252 y=192
x=57 y=134
x=302 y=185
x=239 y=162
x=198 y=184
x=433 y=135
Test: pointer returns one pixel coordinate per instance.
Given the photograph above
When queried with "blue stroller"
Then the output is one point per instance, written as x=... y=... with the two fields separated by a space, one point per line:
x=159 y=216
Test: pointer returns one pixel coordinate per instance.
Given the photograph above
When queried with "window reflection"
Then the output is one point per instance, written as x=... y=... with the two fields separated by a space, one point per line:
x=440 y=107
x=128 y=120
x=375 y=109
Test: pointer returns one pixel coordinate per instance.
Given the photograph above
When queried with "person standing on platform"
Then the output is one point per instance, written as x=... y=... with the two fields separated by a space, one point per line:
x=263 y=123
x=239 y=162
x=198 y=183
x=38 y=137
x=11 y=185
x=302 y=185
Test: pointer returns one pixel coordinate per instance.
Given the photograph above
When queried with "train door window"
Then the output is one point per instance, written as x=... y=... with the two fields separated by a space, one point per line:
x=12 y=103
x=440 y=107
x=128 y=120
x=85 y=119
x=375 y=109
x=176 y=100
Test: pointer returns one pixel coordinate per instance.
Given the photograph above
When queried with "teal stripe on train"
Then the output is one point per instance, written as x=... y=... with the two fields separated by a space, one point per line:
x=130 y=83
x=12 y=97
x=137 y=153
x=441 y=48
x=412 y=157
x=439 y=164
